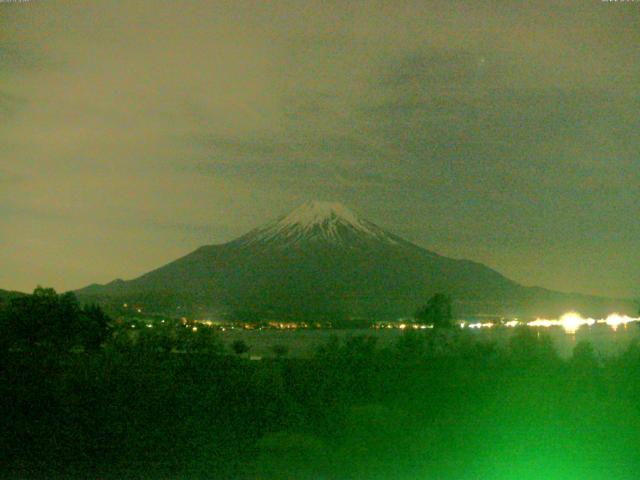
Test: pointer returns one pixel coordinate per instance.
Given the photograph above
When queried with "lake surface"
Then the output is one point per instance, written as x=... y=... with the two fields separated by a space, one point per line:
x=303 y=343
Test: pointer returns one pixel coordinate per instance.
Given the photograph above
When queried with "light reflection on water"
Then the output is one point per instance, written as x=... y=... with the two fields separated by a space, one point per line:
x=607 y=338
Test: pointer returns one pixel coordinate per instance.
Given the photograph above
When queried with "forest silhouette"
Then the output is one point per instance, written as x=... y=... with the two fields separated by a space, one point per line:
x=436 y=404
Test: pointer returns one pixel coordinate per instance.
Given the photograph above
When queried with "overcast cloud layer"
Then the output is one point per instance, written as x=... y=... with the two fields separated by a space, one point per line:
x=503 y=132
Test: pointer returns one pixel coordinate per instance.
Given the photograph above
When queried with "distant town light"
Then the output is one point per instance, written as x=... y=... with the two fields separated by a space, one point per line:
x=572 y=321
x=481 y=325
x=542 y=322
x=615 y=320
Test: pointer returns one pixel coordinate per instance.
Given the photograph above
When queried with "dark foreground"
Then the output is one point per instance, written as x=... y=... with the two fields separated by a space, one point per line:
x=422 y=409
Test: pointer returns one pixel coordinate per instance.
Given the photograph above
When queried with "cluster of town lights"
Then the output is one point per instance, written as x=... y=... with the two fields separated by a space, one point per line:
x=570 y=322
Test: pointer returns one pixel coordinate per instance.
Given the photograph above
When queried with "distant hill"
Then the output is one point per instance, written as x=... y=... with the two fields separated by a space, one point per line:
x=323 y=261
x=6 y=295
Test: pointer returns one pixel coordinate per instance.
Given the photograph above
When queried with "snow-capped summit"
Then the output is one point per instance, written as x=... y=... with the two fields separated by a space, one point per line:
x=318 y=221
x=316 y=212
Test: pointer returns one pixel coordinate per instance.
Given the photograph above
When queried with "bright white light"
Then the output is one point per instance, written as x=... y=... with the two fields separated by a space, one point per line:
x=512 y=323
x=543 y=322
x=614 y=320
x=572 y=321
x=481 y=325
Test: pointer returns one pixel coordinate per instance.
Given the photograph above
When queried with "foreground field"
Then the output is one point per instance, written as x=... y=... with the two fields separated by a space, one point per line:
x=412 y=410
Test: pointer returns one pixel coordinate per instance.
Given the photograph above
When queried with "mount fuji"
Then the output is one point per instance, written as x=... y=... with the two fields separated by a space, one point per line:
x=322 y=261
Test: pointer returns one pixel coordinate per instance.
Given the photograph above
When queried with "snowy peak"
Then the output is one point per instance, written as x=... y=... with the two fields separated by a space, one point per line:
x=316 y=213
x=319 y=221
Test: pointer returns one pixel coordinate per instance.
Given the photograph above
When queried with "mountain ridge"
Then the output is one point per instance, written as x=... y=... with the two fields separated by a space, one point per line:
x=322 y=260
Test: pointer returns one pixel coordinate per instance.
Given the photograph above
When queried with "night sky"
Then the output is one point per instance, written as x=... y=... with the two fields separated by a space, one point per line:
x=502 y=132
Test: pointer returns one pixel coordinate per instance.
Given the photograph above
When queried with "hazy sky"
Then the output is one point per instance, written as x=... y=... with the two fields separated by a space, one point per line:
x=503 y=132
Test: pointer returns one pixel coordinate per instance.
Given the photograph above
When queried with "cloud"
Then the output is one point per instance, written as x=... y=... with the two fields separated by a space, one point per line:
x=172 y=124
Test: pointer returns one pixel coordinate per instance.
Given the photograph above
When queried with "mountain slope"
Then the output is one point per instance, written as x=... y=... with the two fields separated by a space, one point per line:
x=323 y=261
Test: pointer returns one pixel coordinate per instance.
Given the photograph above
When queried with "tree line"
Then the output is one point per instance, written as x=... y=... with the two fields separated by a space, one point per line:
x=48 y=320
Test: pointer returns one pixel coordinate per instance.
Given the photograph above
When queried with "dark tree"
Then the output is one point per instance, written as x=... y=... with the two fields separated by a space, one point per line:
x=205 y=340
x=240 y=347
x=437 y=311
x=48 y=320
x=280 y=351
x=411 y=344
x=584 y=357
x=196 y=340
x=93 y=328
x=528 y=347
x=42 y=319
